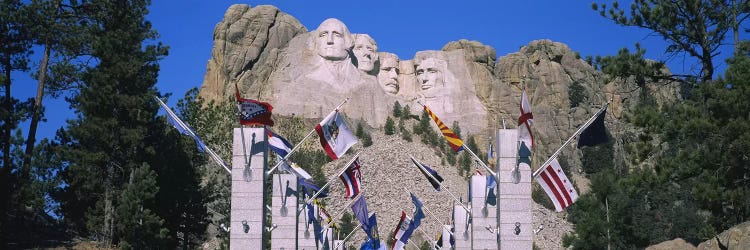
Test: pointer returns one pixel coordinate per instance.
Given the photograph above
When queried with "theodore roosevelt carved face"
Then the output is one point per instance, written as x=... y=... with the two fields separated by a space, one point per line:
x=388 y=74
x=365 y=51
x=333 y=40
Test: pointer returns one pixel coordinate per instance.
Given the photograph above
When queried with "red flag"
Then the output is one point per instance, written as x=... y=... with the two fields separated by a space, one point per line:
x=253 y=112
x=557 y=186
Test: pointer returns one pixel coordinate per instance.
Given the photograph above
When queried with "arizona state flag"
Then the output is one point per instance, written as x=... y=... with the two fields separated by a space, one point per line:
x=456 y=143
x=335 y=136
x=253 y=112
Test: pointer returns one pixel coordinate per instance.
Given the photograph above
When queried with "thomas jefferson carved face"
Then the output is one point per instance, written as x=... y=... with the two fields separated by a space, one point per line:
x=366 y=52
x=388 y=74
x=429 y=74
x=333 y=40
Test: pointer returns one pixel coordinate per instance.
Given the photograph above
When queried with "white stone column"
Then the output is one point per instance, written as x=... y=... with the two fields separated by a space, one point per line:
x=283 y=211
x=514 y=200
x=247 y=190
x=462 y=234
x=484 y=216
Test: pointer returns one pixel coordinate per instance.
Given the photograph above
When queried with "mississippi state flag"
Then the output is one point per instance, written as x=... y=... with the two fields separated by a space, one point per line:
x=525 y=121
x=557 y=186
x=253 y=112
x=351 y=178
x=335 y=136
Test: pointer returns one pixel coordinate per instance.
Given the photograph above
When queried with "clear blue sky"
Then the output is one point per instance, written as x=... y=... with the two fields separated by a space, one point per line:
x=401 y=27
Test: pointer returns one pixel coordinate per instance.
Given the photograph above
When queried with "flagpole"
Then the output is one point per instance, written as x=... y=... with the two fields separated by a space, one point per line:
x=434 y=217
x=578 y=132
x=476 y=158
x=441 y=184
x=283 y=159
x=308 y=200
x=348 y=235
x=182 y=124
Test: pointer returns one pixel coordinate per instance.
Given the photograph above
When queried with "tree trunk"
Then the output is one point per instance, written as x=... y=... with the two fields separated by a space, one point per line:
x=36 y=111
x=8 y=107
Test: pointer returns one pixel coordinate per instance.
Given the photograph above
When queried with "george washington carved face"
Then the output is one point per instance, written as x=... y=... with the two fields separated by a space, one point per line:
x=333 y=40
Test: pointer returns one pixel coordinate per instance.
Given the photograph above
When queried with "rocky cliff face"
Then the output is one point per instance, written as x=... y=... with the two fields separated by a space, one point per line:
x=272 y=57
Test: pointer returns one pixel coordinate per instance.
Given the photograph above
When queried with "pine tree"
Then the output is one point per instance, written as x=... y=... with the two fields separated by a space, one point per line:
x=396 y=109
x=114 y=172
x=389 y=126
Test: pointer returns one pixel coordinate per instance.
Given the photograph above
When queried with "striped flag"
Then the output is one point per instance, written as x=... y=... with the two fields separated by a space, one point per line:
x=352 y=178
x=557 y=186
x=525 y=121
x=456 y=143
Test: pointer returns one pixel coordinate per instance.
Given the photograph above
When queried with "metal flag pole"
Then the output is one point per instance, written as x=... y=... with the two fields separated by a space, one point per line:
x=187 y=129
x=421 y=230
x=433 y=216
x=578 y=132
x=283 y=159
x=247 y=174
x=308 y=200
x=476 y=158
x=446 y=187
x=348 y=235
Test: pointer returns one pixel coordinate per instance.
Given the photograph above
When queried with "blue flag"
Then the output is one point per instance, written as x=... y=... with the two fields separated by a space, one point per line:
x=491 y=198
x=359 y=208
x=311 y=188
x=418 y=213
x=432 y=176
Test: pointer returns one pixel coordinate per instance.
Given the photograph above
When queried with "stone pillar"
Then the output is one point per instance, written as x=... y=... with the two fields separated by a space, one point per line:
x=283 y=211
x=462 y=233
x=514 y=200
x=247 y=190
x=484 y=216
x=305 y=232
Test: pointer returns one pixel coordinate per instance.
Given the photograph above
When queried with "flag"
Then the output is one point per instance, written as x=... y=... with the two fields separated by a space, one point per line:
x=491 y=154
x=359 y=208
x=374 y=238
x=418 y=213
x=335 y=136
x=432 y=175
x=491 y=198
x=252 y=111
x=351 y=177
x=183 y=128
x=456 y=143
x=278 y=144
x=311 y=188
x=525 y=120
x=595 y=133
x=444 y=239
x=557 y=186
x=404 y=230
x=293 y=168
